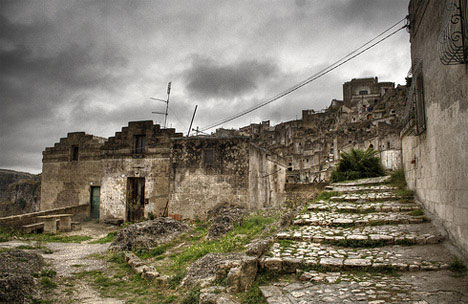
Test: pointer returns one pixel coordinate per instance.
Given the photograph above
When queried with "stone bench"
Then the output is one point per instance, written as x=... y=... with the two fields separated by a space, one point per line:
x=36 y=227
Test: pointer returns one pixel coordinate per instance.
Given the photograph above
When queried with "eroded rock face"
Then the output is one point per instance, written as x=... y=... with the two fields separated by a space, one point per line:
x=239 y=270
x=17 y=283
x=224 y=218
x=148 y=234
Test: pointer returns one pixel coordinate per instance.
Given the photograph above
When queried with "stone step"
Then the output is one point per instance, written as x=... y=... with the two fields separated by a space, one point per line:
x=368 y=197
x=391 y=206
x=351 y=189
x=336 y=219
x=364 y=181
x=373 y=288
x=370 y=236
x=305 y=255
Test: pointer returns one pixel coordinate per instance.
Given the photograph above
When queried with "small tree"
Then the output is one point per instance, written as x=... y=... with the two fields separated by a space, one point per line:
x=358 y=164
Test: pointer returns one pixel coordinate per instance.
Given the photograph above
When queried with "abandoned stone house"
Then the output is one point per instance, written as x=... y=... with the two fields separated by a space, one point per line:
x=146 y=170
x=435 y=132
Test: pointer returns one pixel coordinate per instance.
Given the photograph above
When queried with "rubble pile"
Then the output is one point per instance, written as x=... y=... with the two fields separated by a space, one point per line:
x=148 y=234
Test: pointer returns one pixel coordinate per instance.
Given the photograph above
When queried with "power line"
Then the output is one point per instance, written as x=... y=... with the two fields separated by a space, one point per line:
x=317 y=75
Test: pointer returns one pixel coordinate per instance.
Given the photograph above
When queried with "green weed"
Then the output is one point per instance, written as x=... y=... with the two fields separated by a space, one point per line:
x=47 y=283
x=107 y=239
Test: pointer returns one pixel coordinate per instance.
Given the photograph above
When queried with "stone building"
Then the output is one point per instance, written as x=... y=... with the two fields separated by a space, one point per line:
x=368 y=116
x=435 y=133
x=209 y=171
x=145 y=170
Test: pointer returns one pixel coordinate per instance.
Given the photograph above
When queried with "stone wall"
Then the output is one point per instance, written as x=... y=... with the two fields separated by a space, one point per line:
x=436 y=161
x=267 y=178
x=208 y=171
x=67 y=181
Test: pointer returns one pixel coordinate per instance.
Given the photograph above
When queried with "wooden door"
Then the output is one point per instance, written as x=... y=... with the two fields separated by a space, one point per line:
x=95 y=202
x=135 y=198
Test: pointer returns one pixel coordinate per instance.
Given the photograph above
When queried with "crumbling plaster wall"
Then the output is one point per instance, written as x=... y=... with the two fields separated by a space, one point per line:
x=267 y=178
x=201 y=182
x=155 y=170
x=436 y=162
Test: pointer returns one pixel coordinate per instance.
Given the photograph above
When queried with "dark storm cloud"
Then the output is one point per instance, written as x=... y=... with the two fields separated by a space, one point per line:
x=92 y=65
x=208 y=78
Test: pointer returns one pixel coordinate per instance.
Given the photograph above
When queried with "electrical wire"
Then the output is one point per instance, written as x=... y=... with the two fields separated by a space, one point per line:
x=317 y=75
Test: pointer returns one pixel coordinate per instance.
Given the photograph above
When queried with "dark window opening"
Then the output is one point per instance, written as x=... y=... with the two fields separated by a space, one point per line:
x=388 y=145
x=420 y=104
x=363 y=92
x=208 y=156
x=140 y=144
x=74 y=152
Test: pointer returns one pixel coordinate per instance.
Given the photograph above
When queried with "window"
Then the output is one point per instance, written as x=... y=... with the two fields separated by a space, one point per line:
x=74 y=153
x=363 y=92
x=208 y=156
x=453 y=37
x=140 y=144
x=420 y=104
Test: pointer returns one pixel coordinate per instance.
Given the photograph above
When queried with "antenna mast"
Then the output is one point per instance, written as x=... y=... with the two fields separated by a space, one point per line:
x=165 y=101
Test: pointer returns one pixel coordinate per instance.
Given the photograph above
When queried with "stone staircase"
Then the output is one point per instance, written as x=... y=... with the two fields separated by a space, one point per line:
x=367 y=230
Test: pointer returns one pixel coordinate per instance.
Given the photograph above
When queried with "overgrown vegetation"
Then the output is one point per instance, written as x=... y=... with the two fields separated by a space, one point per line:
x=234 y=240
x=107 y=239
x=119 y=281
x=358 y=164
x=397 y=179
x=458 y=267
x=326 y=195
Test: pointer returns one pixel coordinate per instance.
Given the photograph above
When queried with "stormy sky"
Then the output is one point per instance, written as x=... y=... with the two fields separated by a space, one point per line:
x=92 y=66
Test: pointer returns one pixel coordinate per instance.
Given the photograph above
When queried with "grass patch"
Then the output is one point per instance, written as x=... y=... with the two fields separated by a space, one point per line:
x=47 y=283
x=29 y=247
x=50 y=273
x=154 y=252
x=417 y=212
x=458 y=267
x=397 y=179
x=254 y=294
x=192 y=296
x=6 y=235
x=234 y=240
x=326 y=195
x=107 y=239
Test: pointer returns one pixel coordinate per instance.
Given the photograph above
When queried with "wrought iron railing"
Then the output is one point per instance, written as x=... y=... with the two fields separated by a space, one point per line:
x=453 y=38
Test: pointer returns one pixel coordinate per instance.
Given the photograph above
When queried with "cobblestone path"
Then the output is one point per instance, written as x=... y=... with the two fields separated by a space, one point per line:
x=364 y=245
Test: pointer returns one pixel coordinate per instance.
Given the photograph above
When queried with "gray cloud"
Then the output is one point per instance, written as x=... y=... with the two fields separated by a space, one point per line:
x=208 y=78
x=92 y=65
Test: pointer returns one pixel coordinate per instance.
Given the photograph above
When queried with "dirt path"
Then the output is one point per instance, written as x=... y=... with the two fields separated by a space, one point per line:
x=70 y=258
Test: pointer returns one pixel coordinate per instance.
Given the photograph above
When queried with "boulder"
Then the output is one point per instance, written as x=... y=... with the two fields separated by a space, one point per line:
x=259 y=247
x=148 y=234
x=239 y=270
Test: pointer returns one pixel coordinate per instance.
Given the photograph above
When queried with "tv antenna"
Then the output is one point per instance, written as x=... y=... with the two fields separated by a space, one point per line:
x=165 y=101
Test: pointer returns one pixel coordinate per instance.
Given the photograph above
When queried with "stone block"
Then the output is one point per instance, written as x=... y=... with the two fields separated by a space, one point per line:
x=357 y=263
x=331 y=263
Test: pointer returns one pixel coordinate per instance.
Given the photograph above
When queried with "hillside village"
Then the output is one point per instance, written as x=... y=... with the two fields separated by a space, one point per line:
x=257 y=214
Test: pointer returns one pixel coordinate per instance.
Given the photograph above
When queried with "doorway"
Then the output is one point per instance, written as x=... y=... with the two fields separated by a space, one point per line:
x=94 y=202
x=135 y=198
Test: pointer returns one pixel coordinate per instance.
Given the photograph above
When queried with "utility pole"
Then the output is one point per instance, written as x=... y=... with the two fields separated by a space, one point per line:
x=165 y=101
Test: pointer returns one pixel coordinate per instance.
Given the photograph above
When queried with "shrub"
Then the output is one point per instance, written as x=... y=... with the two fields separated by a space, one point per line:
x=358 y=164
